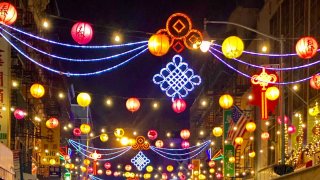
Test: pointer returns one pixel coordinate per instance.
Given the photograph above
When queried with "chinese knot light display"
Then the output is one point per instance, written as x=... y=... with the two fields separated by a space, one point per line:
x=37 y=90
x=226 y=101
x=82 y=32
x=52 y=123
x=232 y=47
x=185 y=134
x=19 y=114
x=152 y=134
x=315 y=82
x=179 y=105
x=159 y=44
x=306 y=47
x=8 y=13
x=272 y=93
x=83 y=99
x=133 y=104
x=85 y=128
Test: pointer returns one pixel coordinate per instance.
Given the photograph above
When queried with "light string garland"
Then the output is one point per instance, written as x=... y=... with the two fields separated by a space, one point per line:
x=105 y=154
x=100 y=149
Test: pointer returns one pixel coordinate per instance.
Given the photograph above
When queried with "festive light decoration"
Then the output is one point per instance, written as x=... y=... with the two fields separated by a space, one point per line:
x=217 y=131
x=232 y=159
x=83 y=99
x=83 y=169
x=52 y=162
x=141 y=144
x=159 y=44
x=8 y=13
x=100 y=172
x=251 y=126
x=170 y=168
x=226 y=101
x=238 y=140
x=85 y=128
x=67 y=166
x=306 y=47
x=19 y=114
x=127 y=167
x=185 y=134
x=286 y=119
x=190 y=166
x=211 y=171
x=211 y=163
x=118 y=132
x=95 y=156
x=86 y=162
x=37 y=90
x=252 y=154
x=82 y=32
x=185 y=144
x=147 y=176
x=272 y=93
x=133 y=104
x=179 y=105
x=76 y=132
x=291 y=129
x=104 y=137
x=108 y=172
x=90 y=170
x=316 y=129
x=107 y=165
x=52 y=123
x=124 y=141
x=232 y=47
x=265 y=136
x=149 y=169
x=140 y=161
x=159 y=144
x=152 y=134
x=315 y=82
x=177 y=79
x=314 y=111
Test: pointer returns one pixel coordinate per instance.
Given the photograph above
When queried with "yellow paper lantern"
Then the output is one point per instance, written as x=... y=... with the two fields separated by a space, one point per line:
x=52 y=123
x=83 y=169
x=226 y=101
x=314 y=110
x=202 y=176
x=104 y=137
x=85 y=128
x=149 y=169
x=169 y=168
x=238 y=140
x=118 y=132
x=159 y=44
x=251 y=126
x=232 y=159
x=147 y=176
x=211 y=170
x=52 y=161
x=37 y=90
x=86 y=162
x=272 y=93
x=83 y=99
x=71 y=166
x=217 y=131
x=67 y=166
x=232 y=47
x=252 y=154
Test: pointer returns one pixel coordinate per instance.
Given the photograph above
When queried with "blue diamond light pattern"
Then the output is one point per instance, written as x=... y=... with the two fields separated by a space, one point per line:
x=140 y=161
x=177 y=79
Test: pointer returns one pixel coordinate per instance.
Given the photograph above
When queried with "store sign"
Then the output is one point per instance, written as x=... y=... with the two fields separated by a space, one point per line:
x=228 y=167
x=50 y=145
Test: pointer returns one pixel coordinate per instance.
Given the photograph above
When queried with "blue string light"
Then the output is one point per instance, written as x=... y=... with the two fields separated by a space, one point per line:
x=171 y=149
x=71 y=45
x=181 y=154
x=100 y=149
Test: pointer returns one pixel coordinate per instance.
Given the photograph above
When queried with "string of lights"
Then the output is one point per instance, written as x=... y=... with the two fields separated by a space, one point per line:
x=180 y=154
x=100 y=149
x=71 y=45
x=170 y=149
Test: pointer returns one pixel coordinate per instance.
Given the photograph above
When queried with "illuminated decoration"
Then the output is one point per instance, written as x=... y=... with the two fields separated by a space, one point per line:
x=124 y=141
x=52 y=123
x=85 y=128
x=232 y=47
x=185 y=134
x=263 y=79
x=306 y=47
x=100 y=172
x=272 y=93
x=140 y=161
x=95 y=156
x=190 y=166
x=149 y=169
x=67 y=157
x=232 y=159
x=37 y=90
x=314 y=111
x=193 y=39
x=252 y=154
x=169 y=168
x=147 y=176
x=159 y=144
x=76 y=132
x=107 y=165
x=211 y=171
x=71 y=166
x=217 y=131
x=205 y=46
x=83 y=169
x=159 y=44
x=218 y=175
x=251 y=126
x=291 y=129
x=86 y=162
x=265 y=136
x=90 y=170
x=127 y=167
x=141 y=144
x=19 y=114
x=8 y=13
x=211 y=164
x=152 y=134
x=185 y=144
x=238 y=140
x=67 y=166
x=316 y=129
x=133 y=104
x=104 y=137
x=118 y=132
x=226 y=101
x=286 y=119
x=52 y=162
x=108 y=172
x=315 y=82
x=164 y=176
x=83 y=99
x=179 y=105
x=82 y=32
x=177 y=79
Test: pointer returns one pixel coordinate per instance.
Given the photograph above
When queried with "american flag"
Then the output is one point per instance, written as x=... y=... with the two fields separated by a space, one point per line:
x=238 y=123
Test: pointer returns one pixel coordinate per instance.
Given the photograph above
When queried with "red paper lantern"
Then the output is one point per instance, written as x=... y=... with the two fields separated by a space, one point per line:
x=291 y=129
x=179 y=105
x=306 y=47
x=90 y=170
x=185 y=144
x=211 y=164
x=265 y=136
x=107 y=165
x=133 y=104
x=82 y=32
x=185 y=134
x=8 y=13
x=19 y=114
x=190 y=166
x=76 y=132
x=159 y=144
x=152 y=134
x=52 y=123
x=315 y=81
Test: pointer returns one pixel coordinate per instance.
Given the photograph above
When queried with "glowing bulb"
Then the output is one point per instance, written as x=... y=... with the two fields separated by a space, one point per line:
x=155 y=105
x=168 y=134
x=250 y=97
x=295 y=87
x=171 y=144
x=235 y=128
x=36 y=118
x=103 y=130
x=65 y=128
x=204 y=103
x=15 y=83
x=45 y=24
x=124 y=141
x=205 y=46
x=135 y=133
x=61 y=95
x=91 y=134
x=201 y=133
x=109 y=102
x=264 y=49
x=70 y=125
x=267 y=123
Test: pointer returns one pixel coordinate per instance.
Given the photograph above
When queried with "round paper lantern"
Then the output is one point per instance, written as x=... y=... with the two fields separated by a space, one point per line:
x=83 y=99
x=133 y=104
x=128 y=167
x=90 y=170
x=104 y=137
x=67 y=157
x=252 y=154
x=272 y=93
x=147 y=176
x=232 y=159
x=315 y=81
x=85 y=128
x=286 y=119
x=76 y=132
x=226 y=101
x=232 y=47
x=238 y=140
x=52 y=123
x=179 y=105
x=107 y=165
x=19 y=114
x=159 y=143
x=67 y=166
x=185 y=144
x=185 y=134
x=211 y=170
x=314 y=111
x=52 y=161
x=164 y=176
x=72 y=166
x=118 y=132
x=99 y=172
x=149 y=169
x=83 y=169
x=306 y=47
x=159 y=44
x=116 y=174
x=8 y=14
x=190 y=166
x=108 y=172
x=217 y=131
x=86 y=162
x=211 y=164
x=265 y=136
x=37 y=90
x=250 y=126
x=169 y=168
x=82 y=32
x=291 y=129
x=218 y=175
x=152 y=134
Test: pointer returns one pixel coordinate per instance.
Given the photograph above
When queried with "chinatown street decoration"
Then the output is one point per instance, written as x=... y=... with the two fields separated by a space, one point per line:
x=107 y=165
x=185 y=134
x=83 y=99
x=95 y=156
x=263 y=79
x=226 y=101
x=159 y=44
x=272 y=93
x=37 y=90
x=306 y=47
x=250 y=126
x=141 y=144
x=82 y=32
x=177 y=79
x=133 y=104
x=152 y=134
x=179 y=105
x=76 y=132
x=314 y=111
x=19 y=114
x=159 y=144
x=52 y=123
x=85 y=128
x=217 y=131
x=104 y=137
x=8 y=13
x=140 y=161
x=315 y=82
x=232 y=47
x=118 y=132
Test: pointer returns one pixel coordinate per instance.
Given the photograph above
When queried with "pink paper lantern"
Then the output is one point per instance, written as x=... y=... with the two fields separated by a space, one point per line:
x=82 y=32
x=90 y=170
x=152 y=134
x=179 y=105
x=185 y=144
x=291 y=129
x=190 y=166
x=19 y=114
x=286 y=119
x=76 y=132
x=107 y=165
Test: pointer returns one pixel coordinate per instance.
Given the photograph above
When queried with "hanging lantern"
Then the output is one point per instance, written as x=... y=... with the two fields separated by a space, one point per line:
x=99 y=172
x=286 y=119
x=76 y=132
x=314 y=111
x=86 y=162
x=133 y=104
x=238 y=140
x=52 y=162
x=83 y=99
x=179 y=105
x=185 y=144
x=127 y=167
x=232 y=159
x=104 y=137
x=90 y=170
x=37 y=90
x=152 y=134
x=149 y=169
x=67 y=166
x=218 y=175
x=211 y=164
x=52 y=123
x=169 y=168
x=226 y=101
x=107 y=165
x=116 y=174
x=67 y=157
x=108 y=172
x=272 y=93
x=19 y=114
x=306 y=47
x=72 y=166
x=85 y=128
x=82 y=32
x=265 y=136
x=232 y=47
x=252 y=154
x=118 y=132
x=159 y=143
x=159 y=44
x=164 y=176
x=8 y=13
x=146 y=176
x=185 y=134
x=211 y=170
x=217 y=131
x=291 y=129
x=250 y=126
x=315 y=81
x=83 y=169
x=190 y=167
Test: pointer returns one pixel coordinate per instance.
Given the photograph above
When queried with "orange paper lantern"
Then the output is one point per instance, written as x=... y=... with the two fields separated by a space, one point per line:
x=265 y=136
x=37 y=90
x=52 y=123
x=185 y=134
x=8 y=13
x=306 y=47
x=133 y=104
x=315 y=81
x=159 y=44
